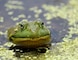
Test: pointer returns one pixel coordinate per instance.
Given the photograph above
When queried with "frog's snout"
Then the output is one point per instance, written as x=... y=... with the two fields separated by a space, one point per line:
x=33 y=29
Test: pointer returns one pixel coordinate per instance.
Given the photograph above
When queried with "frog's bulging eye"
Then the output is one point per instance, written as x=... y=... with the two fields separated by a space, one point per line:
x=21 y=26
x=42 y=23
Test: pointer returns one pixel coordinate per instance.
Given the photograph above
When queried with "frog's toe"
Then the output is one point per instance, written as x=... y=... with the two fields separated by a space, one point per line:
x=41 y=50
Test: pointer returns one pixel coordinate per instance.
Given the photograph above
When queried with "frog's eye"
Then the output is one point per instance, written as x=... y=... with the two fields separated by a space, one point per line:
x=21 y=26
x=42 y=23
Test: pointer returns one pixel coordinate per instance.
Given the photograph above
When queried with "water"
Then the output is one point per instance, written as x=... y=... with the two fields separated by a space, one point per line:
x=13 y=11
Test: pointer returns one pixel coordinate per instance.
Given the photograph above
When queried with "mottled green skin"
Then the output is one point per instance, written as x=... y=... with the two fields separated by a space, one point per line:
x=29 y=30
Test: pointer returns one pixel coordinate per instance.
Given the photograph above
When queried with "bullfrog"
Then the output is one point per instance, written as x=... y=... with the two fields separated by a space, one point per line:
x=30 y=34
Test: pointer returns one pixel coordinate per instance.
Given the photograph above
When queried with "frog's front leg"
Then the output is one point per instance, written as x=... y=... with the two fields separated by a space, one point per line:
x=43 y=49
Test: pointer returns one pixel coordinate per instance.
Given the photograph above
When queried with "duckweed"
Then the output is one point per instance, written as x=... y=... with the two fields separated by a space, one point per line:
x=14 y=18
x=11 y=4
x=66 y=50
x=10 y=13
x=1 y=33
x=1 y=19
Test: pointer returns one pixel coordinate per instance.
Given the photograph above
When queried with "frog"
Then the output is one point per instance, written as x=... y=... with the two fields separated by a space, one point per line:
x=30 y=34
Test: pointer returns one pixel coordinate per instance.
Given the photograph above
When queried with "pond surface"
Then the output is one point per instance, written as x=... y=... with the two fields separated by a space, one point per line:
x=60 y=17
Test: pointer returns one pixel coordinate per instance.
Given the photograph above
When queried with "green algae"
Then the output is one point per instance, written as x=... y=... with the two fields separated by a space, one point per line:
x=66 y=50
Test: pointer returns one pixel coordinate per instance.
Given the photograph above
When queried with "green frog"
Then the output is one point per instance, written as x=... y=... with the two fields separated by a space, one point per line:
x=30 y=34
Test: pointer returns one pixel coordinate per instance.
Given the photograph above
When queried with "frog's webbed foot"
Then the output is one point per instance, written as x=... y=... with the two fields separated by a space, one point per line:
x=11 y=47
x=48 y=46
x=41 y=49
x=21 y=49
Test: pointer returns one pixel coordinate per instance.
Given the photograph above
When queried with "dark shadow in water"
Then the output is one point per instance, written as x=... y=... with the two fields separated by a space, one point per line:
x=74 y=36
x=57 y=2
x=30 y=3
x=59 y=29
x=2 y=39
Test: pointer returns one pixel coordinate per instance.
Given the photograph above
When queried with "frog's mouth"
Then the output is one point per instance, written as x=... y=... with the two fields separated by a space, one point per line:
x=32 y=39
x=28 y=42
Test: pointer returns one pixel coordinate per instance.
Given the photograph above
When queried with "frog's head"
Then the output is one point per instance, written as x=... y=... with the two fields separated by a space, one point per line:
x=25 y=29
